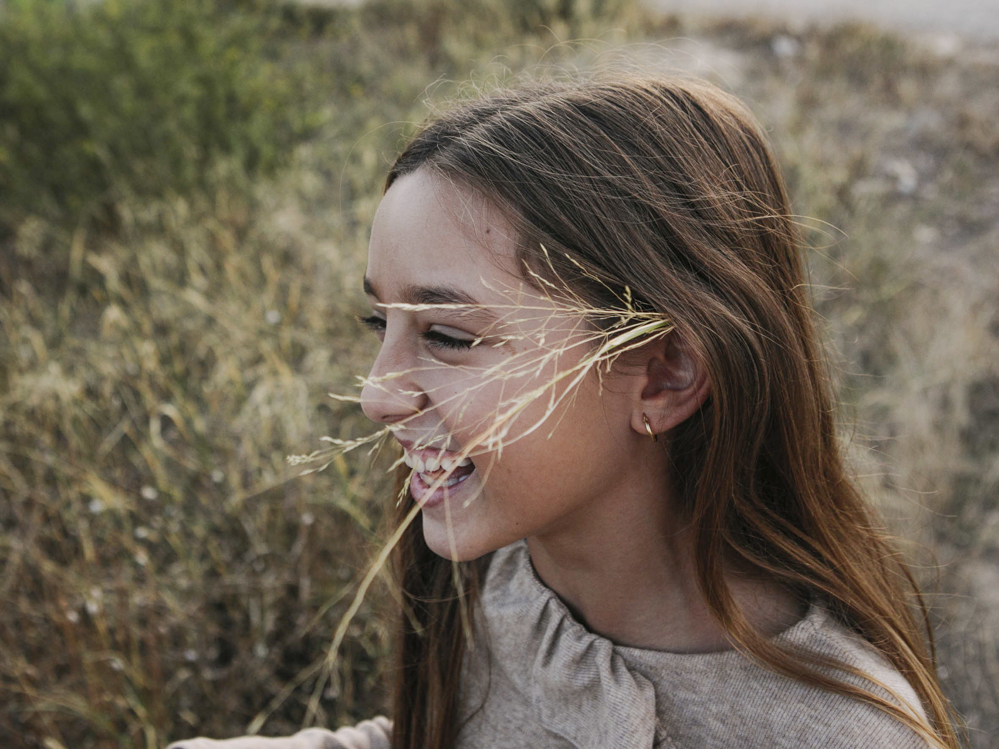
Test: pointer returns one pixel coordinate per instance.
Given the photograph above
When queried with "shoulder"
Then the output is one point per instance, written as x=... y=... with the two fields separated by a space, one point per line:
x=720 y=700
x=822 y=634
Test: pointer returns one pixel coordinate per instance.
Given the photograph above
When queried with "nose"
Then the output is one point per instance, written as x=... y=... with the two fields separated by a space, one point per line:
x=392 y=391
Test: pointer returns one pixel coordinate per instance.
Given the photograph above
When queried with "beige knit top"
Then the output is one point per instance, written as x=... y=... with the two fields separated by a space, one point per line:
x=538 y=678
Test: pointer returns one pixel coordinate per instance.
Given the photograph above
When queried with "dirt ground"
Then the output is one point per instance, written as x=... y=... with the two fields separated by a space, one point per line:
x=978 y=19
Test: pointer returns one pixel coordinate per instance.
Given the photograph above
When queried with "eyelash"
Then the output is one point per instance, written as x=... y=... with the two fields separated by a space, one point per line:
x=432 y=337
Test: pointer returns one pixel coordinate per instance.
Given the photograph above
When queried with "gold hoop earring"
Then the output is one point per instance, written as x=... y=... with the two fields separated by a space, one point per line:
x=648 y=428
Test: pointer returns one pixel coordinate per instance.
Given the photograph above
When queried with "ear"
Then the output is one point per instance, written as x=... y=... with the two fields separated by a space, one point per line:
x=673 y=386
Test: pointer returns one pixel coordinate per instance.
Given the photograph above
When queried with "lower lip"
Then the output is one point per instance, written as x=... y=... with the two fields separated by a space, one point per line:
x=425 y=498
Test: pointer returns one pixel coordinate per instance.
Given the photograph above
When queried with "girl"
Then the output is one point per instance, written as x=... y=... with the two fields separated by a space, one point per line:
x=625 y=516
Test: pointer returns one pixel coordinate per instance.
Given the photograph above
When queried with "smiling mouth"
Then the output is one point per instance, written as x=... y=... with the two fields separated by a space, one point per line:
x=431 y=488
x=431 y=462
x=454 y=477
x=438 y=468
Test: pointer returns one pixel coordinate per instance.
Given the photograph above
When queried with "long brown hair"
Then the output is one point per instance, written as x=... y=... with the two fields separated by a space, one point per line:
x=669 y=188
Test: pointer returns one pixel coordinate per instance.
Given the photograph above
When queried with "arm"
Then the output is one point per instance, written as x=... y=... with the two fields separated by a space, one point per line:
x=369 y=734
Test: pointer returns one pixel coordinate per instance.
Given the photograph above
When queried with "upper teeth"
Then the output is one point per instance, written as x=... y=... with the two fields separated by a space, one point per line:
x=431 y=463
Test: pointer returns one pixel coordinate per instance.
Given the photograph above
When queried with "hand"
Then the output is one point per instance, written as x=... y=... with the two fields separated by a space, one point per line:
x=250 y=742
x=369 y=734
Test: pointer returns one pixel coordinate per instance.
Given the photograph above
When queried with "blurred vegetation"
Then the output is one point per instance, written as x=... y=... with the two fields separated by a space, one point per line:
x=105 y=101
x=186 y=190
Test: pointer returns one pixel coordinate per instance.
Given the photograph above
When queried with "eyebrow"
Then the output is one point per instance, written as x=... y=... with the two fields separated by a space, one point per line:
x=413 y=294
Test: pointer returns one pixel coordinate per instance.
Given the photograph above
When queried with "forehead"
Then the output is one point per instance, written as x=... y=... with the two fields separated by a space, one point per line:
x=428 y=232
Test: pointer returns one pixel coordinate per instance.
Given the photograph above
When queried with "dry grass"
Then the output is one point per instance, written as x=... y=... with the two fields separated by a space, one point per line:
x=162 y=575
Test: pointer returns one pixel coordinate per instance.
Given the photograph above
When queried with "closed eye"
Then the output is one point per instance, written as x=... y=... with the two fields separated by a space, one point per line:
x=372 y=322
x=441 y=340
x=433 y=338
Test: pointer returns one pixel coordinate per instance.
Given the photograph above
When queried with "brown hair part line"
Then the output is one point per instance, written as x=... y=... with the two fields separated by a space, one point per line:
x=669 y=188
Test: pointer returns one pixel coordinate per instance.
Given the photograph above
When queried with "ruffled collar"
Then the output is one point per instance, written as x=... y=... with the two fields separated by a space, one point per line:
x=583 y=687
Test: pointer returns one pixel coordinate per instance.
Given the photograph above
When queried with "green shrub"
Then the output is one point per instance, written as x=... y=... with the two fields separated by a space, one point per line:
x=143 y=97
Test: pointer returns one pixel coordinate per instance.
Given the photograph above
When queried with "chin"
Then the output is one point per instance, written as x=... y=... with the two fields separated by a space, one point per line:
x=460 y=548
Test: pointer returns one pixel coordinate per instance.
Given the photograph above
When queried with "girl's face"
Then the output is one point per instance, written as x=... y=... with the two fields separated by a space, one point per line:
x=476 y=376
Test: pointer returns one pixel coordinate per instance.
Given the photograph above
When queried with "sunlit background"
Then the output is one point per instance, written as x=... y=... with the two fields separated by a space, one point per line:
x=185 y=193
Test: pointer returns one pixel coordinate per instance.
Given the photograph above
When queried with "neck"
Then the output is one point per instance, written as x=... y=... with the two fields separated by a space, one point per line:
x=628 y=575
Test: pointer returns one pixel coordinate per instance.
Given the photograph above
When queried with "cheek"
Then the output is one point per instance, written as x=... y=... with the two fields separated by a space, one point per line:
x=532 y=434
x=484 y=405
x=454 y=394
x=532 y=397
x=576 y=451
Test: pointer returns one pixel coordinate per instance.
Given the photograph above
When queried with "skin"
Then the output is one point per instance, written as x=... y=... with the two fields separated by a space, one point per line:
x=589 y=490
